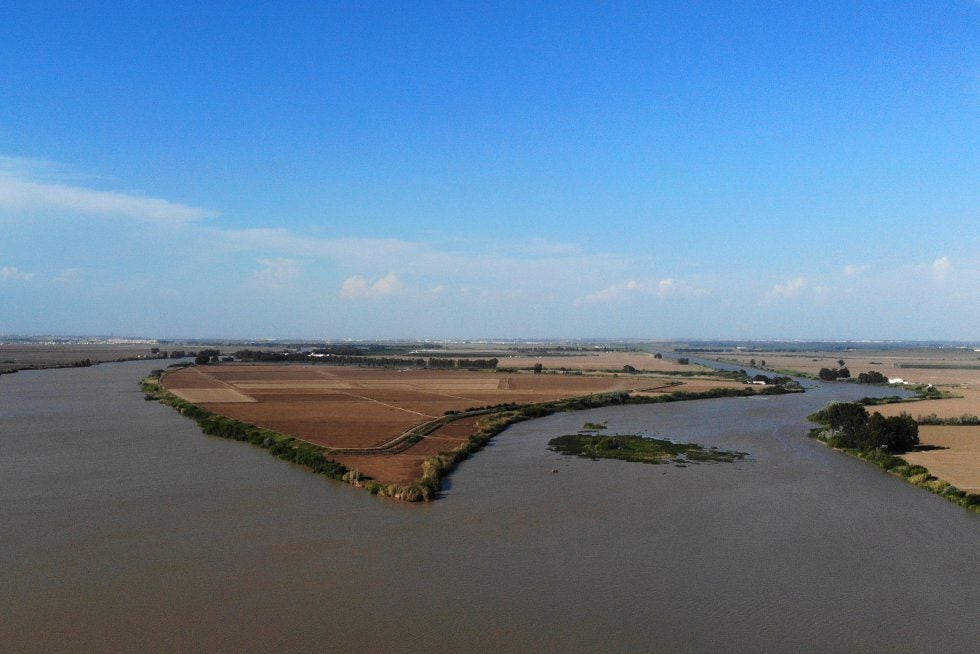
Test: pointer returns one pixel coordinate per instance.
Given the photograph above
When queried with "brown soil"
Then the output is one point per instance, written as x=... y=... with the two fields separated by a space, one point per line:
x=959 y=462
x=951 y=408
x=349 y=407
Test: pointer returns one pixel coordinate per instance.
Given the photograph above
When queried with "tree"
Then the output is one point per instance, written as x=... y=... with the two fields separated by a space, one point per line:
x=538 y=368
x=763 y=363
x=901 y=433
x=683 y=361
x=895 y=434
x=844 y=372
x=872 y=377
x=629 y=369
x=752 y=362
x=840 y=363
x=201 y=359
x=849 y=420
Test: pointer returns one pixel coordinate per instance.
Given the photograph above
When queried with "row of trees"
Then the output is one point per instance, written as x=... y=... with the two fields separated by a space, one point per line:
x=438 y=363
x=833 y=374
x=852 y=427
x=207 y=356
x=446 y=363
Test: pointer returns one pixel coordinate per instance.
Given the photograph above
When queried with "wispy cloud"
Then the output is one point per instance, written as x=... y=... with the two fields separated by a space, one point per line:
x=25 y=185
x=941 y=268
x=15 y=274
x=361 y=287
x=642 y=287
x=787 y=291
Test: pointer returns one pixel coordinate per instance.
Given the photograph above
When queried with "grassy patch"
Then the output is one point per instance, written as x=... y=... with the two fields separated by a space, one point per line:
x=593 y=426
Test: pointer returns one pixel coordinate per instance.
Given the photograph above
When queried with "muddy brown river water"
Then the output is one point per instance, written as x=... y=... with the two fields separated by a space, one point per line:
x=124 y=528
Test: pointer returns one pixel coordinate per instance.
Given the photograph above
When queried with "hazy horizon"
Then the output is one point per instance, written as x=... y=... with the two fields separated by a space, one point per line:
x=606 y=171
x=959 y=343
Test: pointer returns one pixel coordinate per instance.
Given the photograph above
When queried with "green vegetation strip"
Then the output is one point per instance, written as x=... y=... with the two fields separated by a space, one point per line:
x=964 y=420
x=279 y=445
x=639 y=449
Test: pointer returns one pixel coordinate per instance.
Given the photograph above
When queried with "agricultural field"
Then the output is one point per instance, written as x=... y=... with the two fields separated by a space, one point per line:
x=359 y=410
x=956 y=370
x=952 y=453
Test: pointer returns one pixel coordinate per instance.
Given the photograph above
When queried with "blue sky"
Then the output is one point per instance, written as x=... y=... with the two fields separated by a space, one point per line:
x=386 y=170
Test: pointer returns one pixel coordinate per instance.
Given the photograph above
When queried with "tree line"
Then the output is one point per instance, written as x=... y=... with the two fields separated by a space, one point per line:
x=850 y=426
x=366 y=361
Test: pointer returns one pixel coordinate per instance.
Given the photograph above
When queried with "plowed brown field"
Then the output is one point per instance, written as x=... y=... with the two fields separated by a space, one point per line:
x=363 y=408
x=956 y=458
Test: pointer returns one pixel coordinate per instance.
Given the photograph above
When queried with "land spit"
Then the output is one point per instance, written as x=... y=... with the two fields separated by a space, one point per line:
x=392 y=429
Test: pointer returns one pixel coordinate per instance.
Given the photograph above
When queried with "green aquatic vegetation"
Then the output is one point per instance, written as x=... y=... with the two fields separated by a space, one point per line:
x=593 y=426
x=640 y=448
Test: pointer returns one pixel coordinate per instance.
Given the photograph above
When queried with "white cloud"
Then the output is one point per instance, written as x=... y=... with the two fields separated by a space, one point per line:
x=633 y=288
x=941 y=268
x=23 y=187
x=387 y=284
x=354 y=287
x=789 y=290
x=276 y=273
x=853 y=270
x=15 y=274
x=361 y=287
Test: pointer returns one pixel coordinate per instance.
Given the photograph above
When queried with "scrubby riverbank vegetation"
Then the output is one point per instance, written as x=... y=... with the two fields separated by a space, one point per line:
x=849 y=428
x=639 y=449
x=279 y=445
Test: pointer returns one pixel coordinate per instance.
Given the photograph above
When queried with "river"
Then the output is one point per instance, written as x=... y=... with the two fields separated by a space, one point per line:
x=124 y=528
